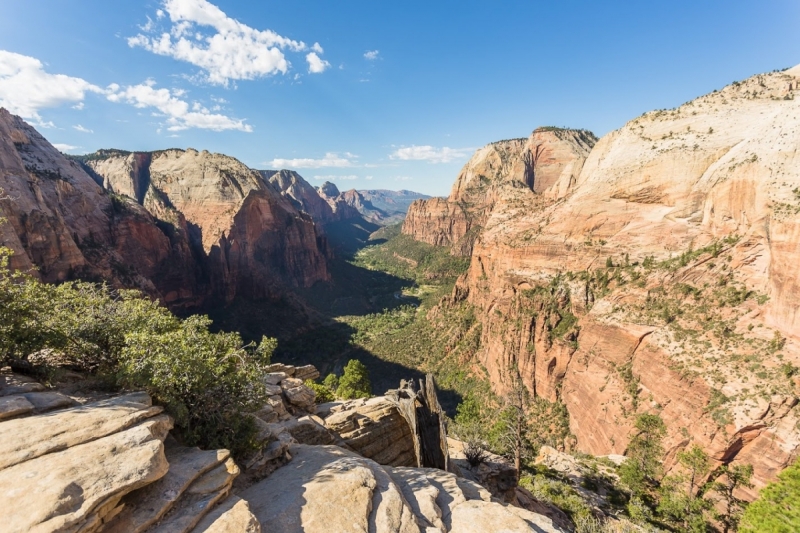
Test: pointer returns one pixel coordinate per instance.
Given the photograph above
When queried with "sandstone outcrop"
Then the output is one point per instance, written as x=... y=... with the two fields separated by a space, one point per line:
x=327 y=488
x=60 y=221
x=80 y=462
x=549 y=160
x=305 y=197
x=188 y=227
x=376 y=429
x=341 y=209
x=109 y=466
x=652 y=274
x=252 y=236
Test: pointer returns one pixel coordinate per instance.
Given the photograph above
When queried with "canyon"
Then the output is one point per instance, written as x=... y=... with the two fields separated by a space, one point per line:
x=650 y=271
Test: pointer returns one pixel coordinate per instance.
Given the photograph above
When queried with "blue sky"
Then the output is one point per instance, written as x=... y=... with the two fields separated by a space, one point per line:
x=368 y=94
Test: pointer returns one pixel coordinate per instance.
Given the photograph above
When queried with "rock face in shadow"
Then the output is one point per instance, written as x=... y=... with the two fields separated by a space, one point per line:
x=185 y=226
x=654 y=274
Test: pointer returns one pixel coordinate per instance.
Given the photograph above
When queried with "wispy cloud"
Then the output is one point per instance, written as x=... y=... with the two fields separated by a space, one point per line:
x=371 y=55
x=331 y=160
x=430 y=154
x=224 y=48
x=65 y=147
x=180 y=115
x=349 y=177
x=82 y=129
x=26 y=88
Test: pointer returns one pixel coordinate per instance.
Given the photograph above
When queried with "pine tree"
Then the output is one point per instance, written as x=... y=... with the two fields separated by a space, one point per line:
x=354 y=383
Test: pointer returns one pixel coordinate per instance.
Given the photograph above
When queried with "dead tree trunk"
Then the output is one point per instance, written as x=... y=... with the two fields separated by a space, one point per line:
x=424 y=415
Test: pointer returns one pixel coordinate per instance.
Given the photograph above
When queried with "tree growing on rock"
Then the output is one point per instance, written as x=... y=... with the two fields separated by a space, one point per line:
x=640 y=472
x=682 y=501
x=354 y=382
x=777 y=508
x=510 y=434
x=728 y=480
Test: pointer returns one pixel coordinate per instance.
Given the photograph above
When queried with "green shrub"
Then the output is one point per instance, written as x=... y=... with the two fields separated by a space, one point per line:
x=208 y=382
x=323 y=392
x=777 y=509
x=354 y=383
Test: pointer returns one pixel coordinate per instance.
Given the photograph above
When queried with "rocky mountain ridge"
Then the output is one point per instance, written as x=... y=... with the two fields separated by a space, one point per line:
x=549 y=160
x=185 y=226
x=327 y=204
x=651 y=272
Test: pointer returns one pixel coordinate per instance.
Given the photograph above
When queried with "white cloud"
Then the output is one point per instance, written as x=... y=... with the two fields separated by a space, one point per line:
x=430 y=154
x=371 y=55
x=331 y=159
x=315 y=64
x=25 y=87
x=336 y=178
x=82 y=129
x=65 y=147
x=368 y=178
x=180 y=114
x=224 y=48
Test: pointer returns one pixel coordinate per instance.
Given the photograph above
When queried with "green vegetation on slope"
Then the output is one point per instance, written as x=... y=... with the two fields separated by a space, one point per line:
x=208 y=382
x=404 y=257
x=777 y=509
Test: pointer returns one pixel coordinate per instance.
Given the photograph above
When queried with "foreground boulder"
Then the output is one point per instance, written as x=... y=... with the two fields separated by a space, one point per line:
x=376 y=429
x=327 y=488
x=79 y=463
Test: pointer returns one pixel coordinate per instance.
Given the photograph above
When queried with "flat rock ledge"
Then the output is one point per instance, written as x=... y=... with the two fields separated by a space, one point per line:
x=111 y=466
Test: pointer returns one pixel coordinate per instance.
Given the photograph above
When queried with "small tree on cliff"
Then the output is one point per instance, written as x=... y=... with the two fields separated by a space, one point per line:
x=728 y=480
x=510 y=434
x=777 y=509
x=354 y=383
x=645 y=451
x=682 y=499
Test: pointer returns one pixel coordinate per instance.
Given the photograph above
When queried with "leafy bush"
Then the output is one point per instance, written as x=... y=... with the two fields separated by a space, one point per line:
x=777 y=509
x=208 y=382
x=323 y=392
x=354 y=383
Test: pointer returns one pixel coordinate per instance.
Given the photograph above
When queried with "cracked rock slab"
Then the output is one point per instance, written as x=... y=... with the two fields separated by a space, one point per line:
x=62 y=490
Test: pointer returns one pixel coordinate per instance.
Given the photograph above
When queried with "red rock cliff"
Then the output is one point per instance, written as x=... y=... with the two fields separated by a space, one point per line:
x=549 y=160
x=185 y=226
x=660 y=277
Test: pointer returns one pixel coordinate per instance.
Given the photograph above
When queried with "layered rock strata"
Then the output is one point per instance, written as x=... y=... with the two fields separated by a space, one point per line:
x=653 y=275
x=549 y=160
x=187 y=227
x=110 y=466
x=252 y=237
x=327 y=488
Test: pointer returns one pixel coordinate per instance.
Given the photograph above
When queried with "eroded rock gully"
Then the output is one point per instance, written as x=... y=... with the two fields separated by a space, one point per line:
x=110 y=465
x=656 y=274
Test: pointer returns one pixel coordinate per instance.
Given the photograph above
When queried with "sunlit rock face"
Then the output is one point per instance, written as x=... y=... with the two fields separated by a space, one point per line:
x=549 y=160
x=707 y=196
